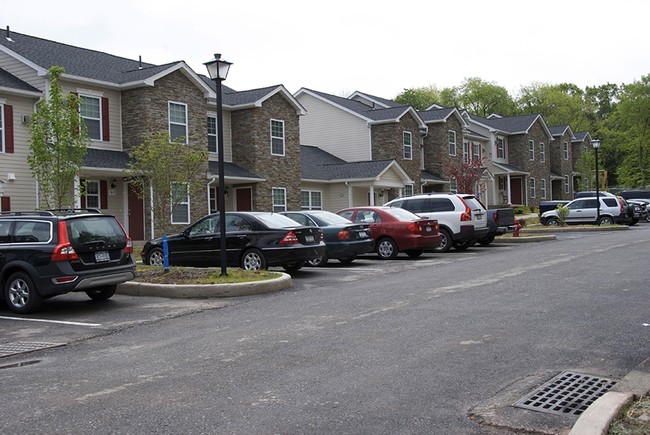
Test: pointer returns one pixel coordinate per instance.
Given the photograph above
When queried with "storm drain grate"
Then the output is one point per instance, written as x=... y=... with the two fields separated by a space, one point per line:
x=7 y=349
x=568 y=393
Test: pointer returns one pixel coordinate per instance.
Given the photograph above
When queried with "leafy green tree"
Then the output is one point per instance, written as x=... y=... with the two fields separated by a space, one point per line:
x=169 y=171
x=558 y=104
x=58 y=144
x=419 y=98
x=484 y=98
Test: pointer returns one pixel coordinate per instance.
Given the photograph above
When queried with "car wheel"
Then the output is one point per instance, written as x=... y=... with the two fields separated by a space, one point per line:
x=387 y=249
x=462 y=246
x=156 y=257
x=347 y=260
x=647 y=218
x=414 y=253
x=552 y=222
x=293 y=267
x=634 y=221
x=605 y=220
x=102 y=293
x=445 y=241
x=21 y=294
x=318 y=262
x=486 y=241
x=253 y=259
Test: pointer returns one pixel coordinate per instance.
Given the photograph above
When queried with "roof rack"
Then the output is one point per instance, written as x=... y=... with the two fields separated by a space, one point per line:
x=73 y=210
x=27 y=213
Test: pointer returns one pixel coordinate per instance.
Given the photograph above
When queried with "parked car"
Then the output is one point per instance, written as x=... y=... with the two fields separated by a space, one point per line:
x=254 y=241
x=49 y=253
x=545 y=206
x=635 y=194
x=500 y=221
x=344 y=240
x=584 y=211
x=396 y=230
x=592 y=194
x=642 y=202
x=462 y=218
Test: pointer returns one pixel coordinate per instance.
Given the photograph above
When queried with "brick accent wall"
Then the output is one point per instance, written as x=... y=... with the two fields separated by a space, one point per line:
x=388 y=143
x=436 y=146
x=561 y=166
x=251 y=148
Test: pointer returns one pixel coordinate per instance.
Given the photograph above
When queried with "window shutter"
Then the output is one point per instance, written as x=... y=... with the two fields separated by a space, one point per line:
x=103 y=194
x=106 y=134
x=5 y=203
x=83 y=197
x=9 y=129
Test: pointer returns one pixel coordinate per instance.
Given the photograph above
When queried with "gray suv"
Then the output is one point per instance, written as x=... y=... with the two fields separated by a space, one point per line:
x=49 y=253
x=613 y=210
x=462 y=218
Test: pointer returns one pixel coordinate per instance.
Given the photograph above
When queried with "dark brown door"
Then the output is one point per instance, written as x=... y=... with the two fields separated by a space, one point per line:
x=136 y=215
x=244 y=198
x=515 y=191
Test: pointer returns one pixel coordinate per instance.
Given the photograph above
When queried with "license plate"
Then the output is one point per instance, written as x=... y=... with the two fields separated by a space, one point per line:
x=363 y=234
x=309 y=238
x=101 y=256
x=428 y=229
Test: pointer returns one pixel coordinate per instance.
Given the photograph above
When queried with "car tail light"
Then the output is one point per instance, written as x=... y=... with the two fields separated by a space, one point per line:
x=289 y=239
x=64 y=279
x=128 y=249
x=466 y=216
x=344 y=235
x=620 y=204
x=413 y=227
x=64 y=250
x=495 y=218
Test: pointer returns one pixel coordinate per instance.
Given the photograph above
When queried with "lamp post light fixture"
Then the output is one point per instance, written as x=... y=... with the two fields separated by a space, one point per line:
x=218 y=71
x=596 y=144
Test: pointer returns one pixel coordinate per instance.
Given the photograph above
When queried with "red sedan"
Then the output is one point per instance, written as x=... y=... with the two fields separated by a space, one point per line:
x=396 y=230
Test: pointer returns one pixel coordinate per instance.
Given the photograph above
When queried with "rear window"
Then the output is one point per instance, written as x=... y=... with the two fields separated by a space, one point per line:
x=275 y=220
x=402 y=215
x=610 y=202
x=93 y=229
x=473 y=203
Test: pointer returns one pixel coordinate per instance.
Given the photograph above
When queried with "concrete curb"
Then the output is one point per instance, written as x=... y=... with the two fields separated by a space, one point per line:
x=599 y=416
x=525 y=239
x=179 y=291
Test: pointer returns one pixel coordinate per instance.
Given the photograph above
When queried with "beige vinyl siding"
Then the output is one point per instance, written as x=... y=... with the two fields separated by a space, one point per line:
x=227 y=138
x=22 y=71
x=22 y=190
x=335 y=196
x=334 y=130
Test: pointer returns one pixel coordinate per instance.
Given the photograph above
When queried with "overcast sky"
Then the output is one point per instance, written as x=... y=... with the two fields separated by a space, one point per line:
x=375 y=46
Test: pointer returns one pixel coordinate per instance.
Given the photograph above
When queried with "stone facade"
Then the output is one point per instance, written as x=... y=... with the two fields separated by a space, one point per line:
x=436 y=146
x=388 y=143
x=561 y=165
x=251 y=148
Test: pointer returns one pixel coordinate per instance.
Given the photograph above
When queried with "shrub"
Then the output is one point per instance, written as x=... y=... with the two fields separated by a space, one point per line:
x=562 y=214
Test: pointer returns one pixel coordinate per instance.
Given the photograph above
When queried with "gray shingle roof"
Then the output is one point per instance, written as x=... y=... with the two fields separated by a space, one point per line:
x=377 y=114
x=580 y=136
x=10 y=81
x=428 y=176
x=317 y=164
x=96 y=158
x=435 y=114
x=80 y=62
x=510 y=124
x=231 y=170
x=559 y=130
x=380 y=100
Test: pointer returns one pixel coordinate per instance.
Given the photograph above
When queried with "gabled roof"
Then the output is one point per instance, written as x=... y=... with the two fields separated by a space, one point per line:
x=508 y=169
x=105 y=159
x=86 y=65
x=510 y=124
x=379 y=101
x=433 y=116
x=256 y=97
x=12 y=84
x=432 y=178
x=560 y=130
x=319 y=165
x=581 y=136
x=363 y=111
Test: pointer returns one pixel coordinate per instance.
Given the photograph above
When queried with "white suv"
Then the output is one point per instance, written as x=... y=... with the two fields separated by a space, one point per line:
x=462 y=218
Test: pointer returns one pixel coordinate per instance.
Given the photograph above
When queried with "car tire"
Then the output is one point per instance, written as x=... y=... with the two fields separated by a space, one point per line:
x=102 y=293
x=253 y=259
x=386 y=249
x=414 y=253
x=462 y=246
x=21 y=294
x=552 y=222
x=318 y=262
x=445 y=241
x=155 y=257
x=605 y=220
x=647 y=218
x=486 y=241
x=347 y=260
x=293 y=267
x=634 y=221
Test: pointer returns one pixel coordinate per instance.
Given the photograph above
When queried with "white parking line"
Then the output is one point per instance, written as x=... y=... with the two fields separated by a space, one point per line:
x=51 y=321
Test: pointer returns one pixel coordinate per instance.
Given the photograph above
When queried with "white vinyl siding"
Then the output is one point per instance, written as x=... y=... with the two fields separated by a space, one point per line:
x=334 y=130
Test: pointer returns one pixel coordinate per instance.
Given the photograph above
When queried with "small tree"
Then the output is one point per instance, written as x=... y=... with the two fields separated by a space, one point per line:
x=58 y=144
x=163 y=168
x=562 y=214
x=467 y=174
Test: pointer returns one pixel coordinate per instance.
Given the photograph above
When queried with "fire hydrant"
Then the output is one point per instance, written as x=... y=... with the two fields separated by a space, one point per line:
x=515 y=233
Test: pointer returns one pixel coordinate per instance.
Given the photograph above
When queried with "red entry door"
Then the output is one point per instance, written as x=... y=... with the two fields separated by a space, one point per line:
x=244 y=198
x=515 y=191
x=136 y=215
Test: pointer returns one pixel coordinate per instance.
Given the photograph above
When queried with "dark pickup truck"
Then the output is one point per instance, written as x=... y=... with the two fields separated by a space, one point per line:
x=500 y=221
x=545 y=206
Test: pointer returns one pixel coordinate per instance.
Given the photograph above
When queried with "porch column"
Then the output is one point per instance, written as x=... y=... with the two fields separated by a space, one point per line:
x=508 y=190
x=372 y=195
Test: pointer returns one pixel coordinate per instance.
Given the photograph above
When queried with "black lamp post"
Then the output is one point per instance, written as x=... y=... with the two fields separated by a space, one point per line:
x=596 y=144
x=218 y=71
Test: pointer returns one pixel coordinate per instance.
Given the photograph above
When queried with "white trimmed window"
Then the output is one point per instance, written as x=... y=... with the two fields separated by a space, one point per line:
x=212 y=134
x=453 y=186
x=180 y=203
x=476 y=151
x=311 y=200
x=531 y=150
x=279 y=199
x=566 y=184
x=91 y=112
x=408 y=145
x=566 y=150
x=465 y=151
x=92 y=194
x=532 y=187
x=501 y=148
x=542 y=188
x=277 y=137
x=451 y=139
x=407 y=190
x=178 y=121
x=542 y=152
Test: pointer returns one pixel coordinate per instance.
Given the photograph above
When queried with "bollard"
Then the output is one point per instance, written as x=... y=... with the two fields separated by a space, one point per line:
x=165 y=254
